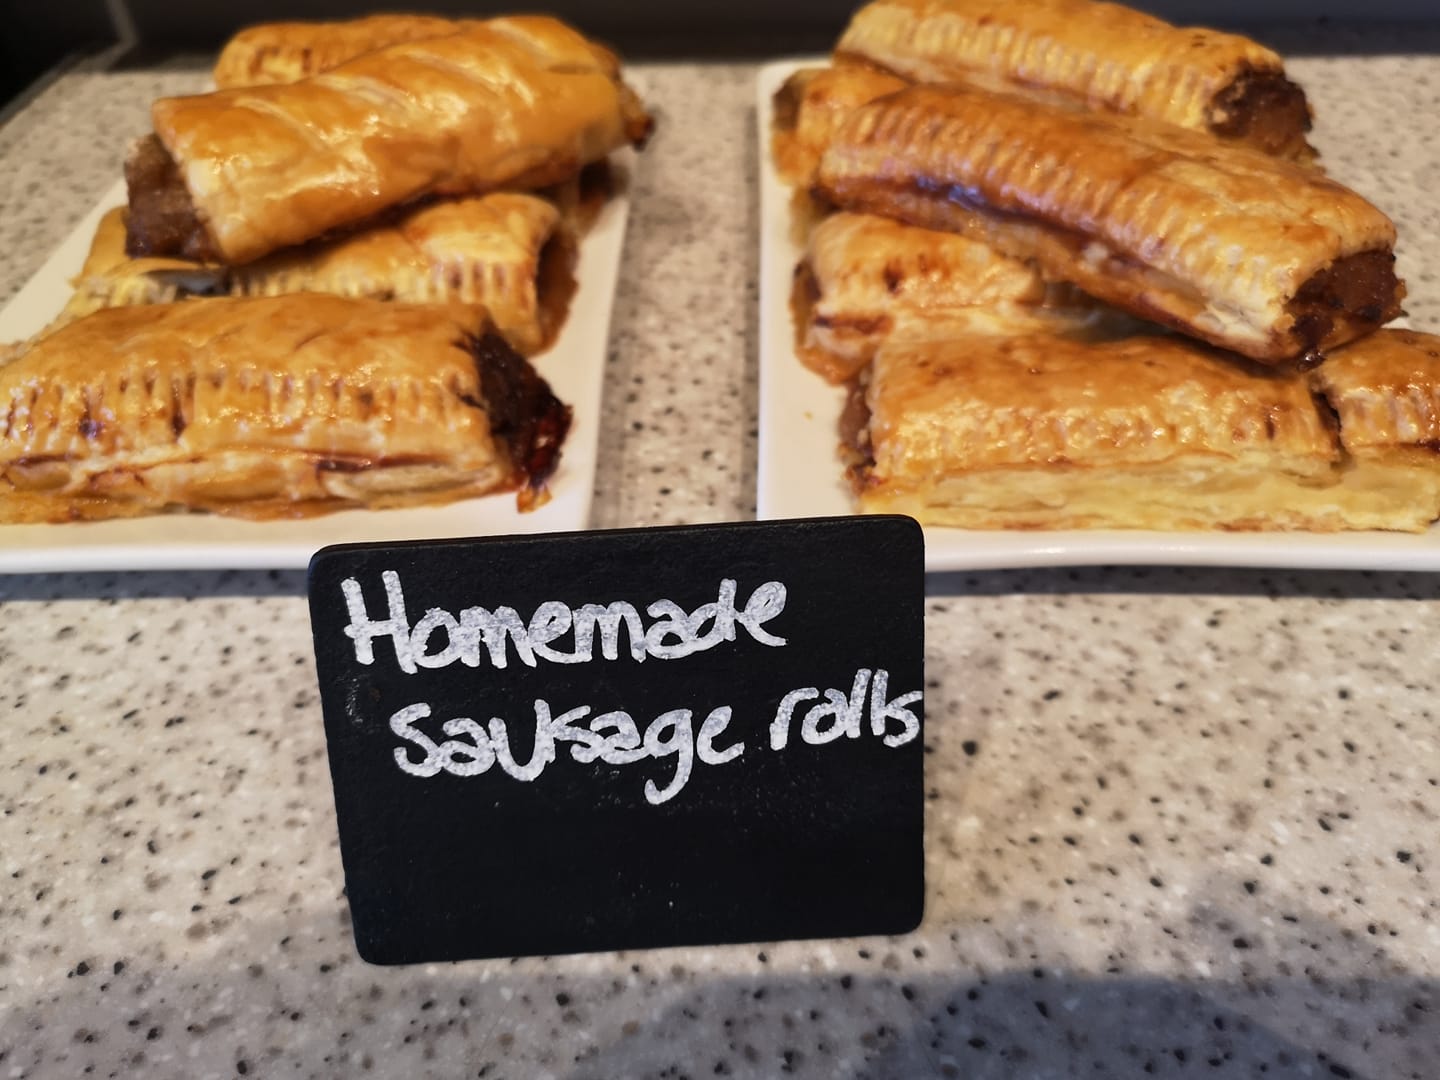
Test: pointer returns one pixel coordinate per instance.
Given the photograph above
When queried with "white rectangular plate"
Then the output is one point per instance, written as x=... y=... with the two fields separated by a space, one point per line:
x=574 y=367
x=800 y=472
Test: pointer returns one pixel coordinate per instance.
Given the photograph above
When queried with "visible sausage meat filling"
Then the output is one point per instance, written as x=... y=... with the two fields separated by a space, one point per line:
x=162 y=219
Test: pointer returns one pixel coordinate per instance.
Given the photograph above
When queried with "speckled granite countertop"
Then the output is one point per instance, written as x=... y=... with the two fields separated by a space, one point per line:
x=1179 y=822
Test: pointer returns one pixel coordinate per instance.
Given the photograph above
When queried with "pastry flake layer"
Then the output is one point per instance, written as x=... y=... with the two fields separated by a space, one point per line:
x=1223 y=243
x=1104 y=55
x=270 y=407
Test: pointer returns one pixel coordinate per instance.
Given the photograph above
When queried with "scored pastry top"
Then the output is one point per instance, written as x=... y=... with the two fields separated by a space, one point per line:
x=484 y=250
x=290 y=51
x=275 y=372
x=864 y=259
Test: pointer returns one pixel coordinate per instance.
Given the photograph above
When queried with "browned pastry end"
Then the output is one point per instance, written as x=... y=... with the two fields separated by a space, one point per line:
x=1102 y=55
x=272 y=407
x=518 y=103
x=1223 y=243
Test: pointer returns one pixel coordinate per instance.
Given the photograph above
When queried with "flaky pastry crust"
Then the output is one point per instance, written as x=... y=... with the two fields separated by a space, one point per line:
x=1384 y=391
x=1034 y=432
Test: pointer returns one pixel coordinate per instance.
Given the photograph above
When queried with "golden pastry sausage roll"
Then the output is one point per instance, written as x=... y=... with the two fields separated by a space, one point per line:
x=289 y=51
x=865 y=279
x=1225 y=244
x=507 y=252
x=1104 y=55
x=270 y=407
x=1147 y=432
x=1034 y=432
x=810 y=106
x=234 y=175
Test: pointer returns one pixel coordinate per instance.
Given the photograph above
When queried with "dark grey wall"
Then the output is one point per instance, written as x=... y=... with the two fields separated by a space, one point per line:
x=697 y=27
x=35 y=35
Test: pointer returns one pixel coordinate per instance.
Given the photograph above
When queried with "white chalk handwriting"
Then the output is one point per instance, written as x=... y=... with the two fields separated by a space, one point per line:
x=472 y=748
x=555 y=632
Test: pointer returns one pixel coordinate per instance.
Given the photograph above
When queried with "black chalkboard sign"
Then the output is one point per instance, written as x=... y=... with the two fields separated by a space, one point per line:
x=630 y=739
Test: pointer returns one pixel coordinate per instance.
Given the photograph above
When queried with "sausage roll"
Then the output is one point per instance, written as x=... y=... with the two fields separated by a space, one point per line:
x=506 y=252
x=1147 y=432
x=811 y=105
x=1231 y=246
x=234 y=175
x=1385 y=393
x=865 y=279
x=288 y=52
x=270 y=407
x=1104 y=55
x=1035 y=432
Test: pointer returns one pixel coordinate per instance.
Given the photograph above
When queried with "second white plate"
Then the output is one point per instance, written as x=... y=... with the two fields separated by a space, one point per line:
x=800 y=472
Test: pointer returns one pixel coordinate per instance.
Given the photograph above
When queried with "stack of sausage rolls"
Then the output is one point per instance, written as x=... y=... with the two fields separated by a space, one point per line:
x=1081 y=269
x=328 y=278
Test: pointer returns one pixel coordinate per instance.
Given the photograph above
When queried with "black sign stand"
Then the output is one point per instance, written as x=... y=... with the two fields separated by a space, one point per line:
x=747 y=766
